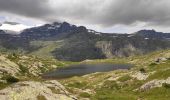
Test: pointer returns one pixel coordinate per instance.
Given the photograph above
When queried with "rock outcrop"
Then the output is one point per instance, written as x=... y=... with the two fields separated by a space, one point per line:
x=7 y=66
x=30 y=90
x=153 y=84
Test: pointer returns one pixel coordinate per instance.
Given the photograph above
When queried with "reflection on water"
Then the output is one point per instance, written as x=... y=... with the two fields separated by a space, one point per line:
x=82 y=69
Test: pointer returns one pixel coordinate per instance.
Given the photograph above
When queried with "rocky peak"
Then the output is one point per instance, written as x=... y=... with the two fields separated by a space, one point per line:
x=82 y=29
x=147 y=31
x=153 y=34
x=52 y=29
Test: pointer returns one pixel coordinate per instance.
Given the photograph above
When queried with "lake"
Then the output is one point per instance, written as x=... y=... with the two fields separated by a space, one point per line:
x=83 y=69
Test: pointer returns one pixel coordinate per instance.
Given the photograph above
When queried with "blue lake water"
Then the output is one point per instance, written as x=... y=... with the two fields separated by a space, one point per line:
x=83 y=69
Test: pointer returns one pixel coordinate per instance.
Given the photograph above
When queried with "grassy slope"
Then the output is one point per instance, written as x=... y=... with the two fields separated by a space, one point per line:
x=46 y=47
x=114 y=85
x=29 y=68
x=123 y=88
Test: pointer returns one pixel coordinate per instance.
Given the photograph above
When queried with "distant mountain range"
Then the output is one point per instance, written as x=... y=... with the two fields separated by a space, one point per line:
x=154 y=34
x=64 y=41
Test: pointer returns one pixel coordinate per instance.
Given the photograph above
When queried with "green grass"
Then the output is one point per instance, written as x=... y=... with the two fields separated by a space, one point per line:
x=113 y=95
x=162 y=74
x=46 y=47
x=124 y=78
x=105 y=89
x=85 y=95
x=161 y=93
x=77 y=84
x=110 y=85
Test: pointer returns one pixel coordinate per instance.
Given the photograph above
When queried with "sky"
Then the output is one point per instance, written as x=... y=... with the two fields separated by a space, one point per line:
x=113 y=16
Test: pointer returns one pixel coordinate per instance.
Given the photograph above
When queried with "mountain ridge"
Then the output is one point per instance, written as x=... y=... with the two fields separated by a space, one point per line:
x=79 y=43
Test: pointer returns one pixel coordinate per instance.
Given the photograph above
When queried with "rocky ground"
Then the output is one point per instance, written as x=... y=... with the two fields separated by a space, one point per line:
x=20 y=79
x=31 y=90
x=149 y=79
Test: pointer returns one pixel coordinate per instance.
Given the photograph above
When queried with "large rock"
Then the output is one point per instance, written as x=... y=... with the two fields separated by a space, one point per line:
x=7 y=66
x=160 y=59
x=30 y=90
x=139 y=75
x=153 y=84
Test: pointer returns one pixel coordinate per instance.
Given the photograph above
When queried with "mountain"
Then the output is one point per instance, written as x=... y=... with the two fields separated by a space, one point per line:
x=20 y=74
x=50 y=30
x=154 y=34
x=64 y=41
x=13 y=27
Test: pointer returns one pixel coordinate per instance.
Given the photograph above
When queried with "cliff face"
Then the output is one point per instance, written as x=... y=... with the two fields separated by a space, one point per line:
x=108 y=49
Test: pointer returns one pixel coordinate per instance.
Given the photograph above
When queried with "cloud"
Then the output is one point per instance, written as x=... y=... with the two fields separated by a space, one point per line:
x=131 y=11
x=28 y=8
x=106 y=13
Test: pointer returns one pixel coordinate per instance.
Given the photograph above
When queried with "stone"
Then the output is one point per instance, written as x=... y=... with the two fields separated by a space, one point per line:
x=30 y=90
x=153 y=84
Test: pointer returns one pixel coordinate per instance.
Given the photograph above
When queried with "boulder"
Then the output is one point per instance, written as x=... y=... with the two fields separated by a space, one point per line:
x=153 y=84
x=30 y=90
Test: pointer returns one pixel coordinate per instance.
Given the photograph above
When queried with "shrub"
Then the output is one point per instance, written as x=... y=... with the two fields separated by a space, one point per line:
x=10 y=79
x=166 y=85
x=13 y=56
x=23 y=69
x=41 y=97
x=142 y=70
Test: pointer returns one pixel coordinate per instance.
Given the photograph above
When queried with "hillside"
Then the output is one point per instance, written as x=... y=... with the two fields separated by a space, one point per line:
x=23 y=73
x=64 y=41
x=84 y=50
x=149 y=79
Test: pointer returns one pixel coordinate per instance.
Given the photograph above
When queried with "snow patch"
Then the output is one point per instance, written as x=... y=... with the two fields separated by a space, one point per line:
x=130 y=35
x=15 y=28
x=92 y=31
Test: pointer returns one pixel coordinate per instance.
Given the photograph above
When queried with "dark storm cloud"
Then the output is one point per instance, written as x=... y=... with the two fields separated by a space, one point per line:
x=29 y=8
x=127 y=12
x=101 y=12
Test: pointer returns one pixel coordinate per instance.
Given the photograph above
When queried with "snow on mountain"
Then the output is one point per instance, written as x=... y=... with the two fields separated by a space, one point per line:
x=93 y=31
x=13 y=27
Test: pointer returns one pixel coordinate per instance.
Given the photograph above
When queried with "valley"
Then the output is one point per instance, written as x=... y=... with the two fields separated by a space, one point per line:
x=147 y=79
x=60 y=61
x=68 y=42
x=84 y=50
